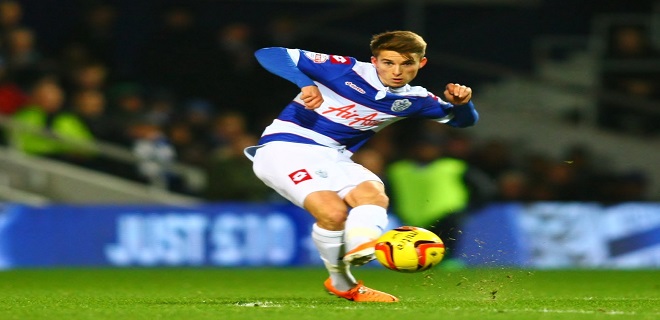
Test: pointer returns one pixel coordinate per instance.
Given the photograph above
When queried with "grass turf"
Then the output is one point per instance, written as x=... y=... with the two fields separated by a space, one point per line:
x=276 y=294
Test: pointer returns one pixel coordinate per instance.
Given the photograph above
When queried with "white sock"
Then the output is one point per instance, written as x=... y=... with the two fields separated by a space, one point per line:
x=330 y=245
x=364 y=223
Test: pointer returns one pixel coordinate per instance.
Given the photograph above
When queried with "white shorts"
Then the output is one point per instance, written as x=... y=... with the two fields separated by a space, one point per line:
x=295 y=170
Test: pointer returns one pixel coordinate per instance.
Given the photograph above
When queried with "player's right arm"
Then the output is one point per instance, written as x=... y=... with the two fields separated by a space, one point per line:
x=460 y=97
x=460 y=112
x=278 y=61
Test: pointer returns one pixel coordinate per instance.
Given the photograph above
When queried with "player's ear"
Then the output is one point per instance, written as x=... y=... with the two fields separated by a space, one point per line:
x=374 y=60
x=422 y=62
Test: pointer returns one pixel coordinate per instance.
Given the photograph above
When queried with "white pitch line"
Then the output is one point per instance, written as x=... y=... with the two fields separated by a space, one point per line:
x=569 y=311
x=258 y=304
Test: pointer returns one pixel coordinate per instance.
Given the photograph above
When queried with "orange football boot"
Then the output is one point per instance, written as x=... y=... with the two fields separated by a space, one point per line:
x=361 y=254
x=360 y=293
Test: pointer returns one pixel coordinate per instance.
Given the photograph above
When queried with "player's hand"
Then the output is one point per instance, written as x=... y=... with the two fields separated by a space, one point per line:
x=312 y=97
x=457 y=94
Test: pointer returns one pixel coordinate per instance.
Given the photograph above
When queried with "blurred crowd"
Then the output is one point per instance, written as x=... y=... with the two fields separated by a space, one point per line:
x=198 y=97
x=629 y=100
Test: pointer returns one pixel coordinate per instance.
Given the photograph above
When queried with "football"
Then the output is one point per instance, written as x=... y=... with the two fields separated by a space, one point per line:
x=409 y=249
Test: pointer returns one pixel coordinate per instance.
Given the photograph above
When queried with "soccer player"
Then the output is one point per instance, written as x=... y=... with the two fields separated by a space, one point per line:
x=305 y=154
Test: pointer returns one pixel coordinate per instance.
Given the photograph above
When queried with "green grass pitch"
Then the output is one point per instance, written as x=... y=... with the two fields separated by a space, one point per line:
x=297 y=293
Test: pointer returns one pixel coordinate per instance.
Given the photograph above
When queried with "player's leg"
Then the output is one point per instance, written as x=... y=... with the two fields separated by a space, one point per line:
x=330 y=213
x=309 y=176
x=365 y=222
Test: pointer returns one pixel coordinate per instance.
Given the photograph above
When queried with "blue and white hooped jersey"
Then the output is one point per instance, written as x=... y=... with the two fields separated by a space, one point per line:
x=356 y=104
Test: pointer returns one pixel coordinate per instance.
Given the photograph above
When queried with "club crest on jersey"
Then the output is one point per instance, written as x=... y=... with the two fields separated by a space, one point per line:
x=316 y=57
x=299 y=176
x=400 y=105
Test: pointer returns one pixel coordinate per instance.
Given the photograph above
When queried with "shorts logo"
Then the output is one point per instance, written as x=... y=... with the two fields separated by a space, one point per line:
x=340 y=60
x=299 y=176
x=316 y=57
x=400 y=105
x=322 y=173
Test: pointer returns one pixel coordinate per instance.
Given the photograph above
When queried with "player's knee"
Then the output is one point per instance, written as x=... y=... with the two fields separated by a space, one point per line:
x=382 y=200
x=368 y=194
x=334 y=220
x=328 y=209
x=378 y=198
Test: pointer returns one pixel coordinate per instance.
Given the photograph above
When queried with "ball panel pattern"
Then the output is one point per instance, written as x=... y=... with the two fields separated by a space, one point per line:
x=409 y=249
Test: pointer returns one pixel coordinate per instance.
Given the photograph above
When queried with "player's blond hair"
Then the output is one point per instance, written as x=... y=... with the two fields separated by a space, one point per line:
x=404 y=42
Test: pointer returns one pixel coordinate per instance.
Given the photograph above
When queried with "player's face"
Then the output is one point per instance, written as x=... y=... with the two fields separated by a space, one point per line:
x=395 y=70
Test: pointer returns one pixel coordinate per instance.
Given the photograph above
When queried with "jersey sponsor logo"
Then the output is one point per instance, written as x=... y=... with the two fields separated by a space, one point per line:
x=339 y=59
x=400 y=105
x=350 y=113
x=299 y=176
x=322 y=173
x=316 y=57
x=354 y=87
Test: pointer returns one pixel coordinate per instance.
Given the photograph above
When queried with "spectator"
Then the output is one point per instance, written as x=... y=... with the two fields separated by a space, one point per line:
x=536 y=165
x=630 y=89
x=12 y=97
x=199 y=114
x=155 y=155
x=11 y=16
x=96 y=33
x=231 y=63
x=173 y=56
x=24 y=61
x=189 y=150
x=227 y=127
x=235 y=42
x=70 y=59
x=373 y=160
x=43 y=115
x=460 y=146
x=283 y=31
x=629 y=42
x=431 y=190
x=90 y=105
x=512 y=186
x=561 y=179
x=494 y=158
x=161 y=107
x=126 y=104
x=387 y=143
x=88 y=76
x=231 y=177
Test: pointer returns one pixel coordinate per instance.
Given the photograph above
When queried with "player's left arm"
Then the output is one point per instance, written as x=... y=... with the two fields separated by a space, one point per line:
x=460 y=97
x=278 y=61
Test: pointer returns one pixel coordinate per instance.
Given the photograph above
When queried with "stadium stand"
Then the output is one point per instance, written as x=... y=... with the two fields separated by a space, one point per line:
x=162 y=69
